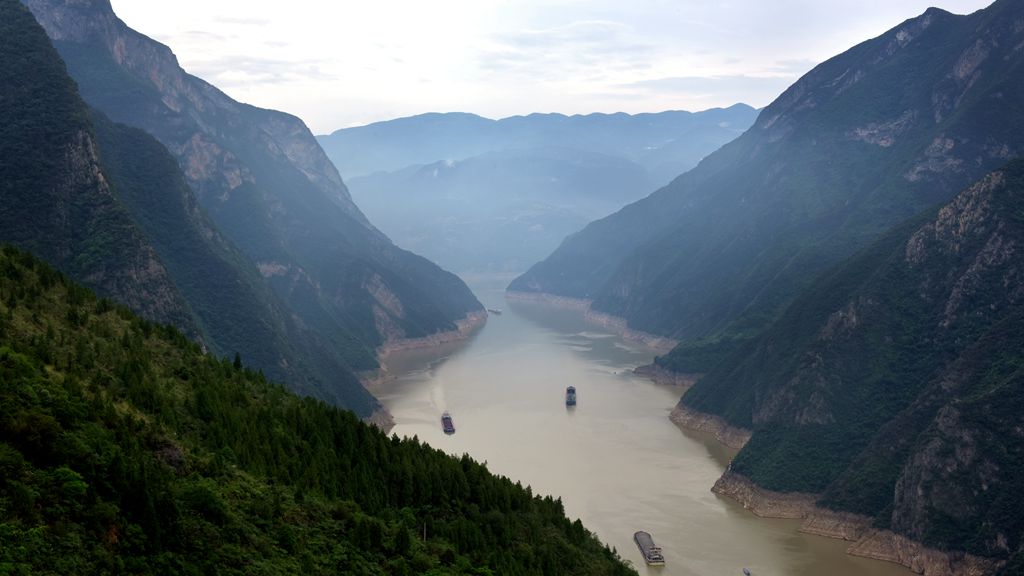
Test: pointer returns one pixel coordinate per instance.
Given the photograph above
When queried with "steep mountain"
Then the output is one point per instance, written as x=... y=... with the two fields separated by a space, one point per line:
x=56 y=197
x=267 y=186
x=893 y=387
x=109 y=205
x=860 y=143
x=234 y=309
x=499 y=211
x=124 y=449
x=664 y=143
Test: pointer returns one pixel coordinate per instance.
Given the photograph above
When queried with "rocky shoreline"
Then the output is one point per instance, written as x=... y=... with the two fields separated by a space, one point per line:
x=732 y=436
x=613 y=323
x=463 y=328
x=685 y=417
x=865 y=540
x=374 y=379
x=667 y=377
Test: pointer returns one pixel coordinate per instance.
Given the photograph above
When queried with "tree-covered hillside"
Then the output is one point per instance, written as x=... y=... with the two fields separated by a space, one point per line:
x=268 y=187
x=109 y=205
x=235 y=310
x=863 y=141
x=54 y=196
x=894 y=385
x=124 y=449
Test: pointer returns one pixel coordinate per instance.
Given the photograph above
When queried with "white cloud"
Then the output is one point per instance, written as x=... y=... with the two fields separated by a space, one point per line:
x=343 y=63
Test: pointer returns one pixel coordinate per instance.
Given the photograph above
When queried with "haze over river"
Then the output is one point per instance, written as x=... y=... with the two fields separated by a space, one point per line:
x=616 y=460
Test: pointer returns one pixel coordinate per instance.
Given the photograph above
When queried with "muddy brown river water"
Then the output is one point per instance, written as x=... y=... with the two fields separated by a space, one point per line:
x=615 y=459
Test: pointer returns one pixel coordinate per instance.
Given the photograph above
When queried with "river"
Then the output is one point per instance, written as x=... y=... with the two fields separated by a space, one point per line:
x=616 y=460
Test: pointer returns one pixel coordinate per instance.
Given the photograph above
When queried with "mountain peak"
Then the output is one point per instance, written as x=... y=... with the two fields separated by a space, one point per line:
x=269 y=188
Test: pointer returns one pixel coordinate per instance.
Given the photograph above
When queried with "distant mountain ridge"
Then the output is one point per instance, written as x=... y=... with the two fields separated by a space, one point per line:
x=838 y=158
x=664 y=143
x=481 y=195
x=342 y=286
x=499 y=211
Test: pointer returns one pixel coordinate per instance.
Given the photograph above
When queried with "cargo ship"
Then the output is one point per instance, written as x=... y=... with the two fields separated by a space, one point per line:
x=447 y=424
x=570 y=396
x=652 y=554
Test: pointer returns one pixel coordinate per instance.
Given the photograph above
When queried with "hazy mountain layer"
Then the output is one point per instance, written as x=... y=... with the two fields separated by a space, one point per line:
x=894 y=385
x=861 y=142
x=268 y=187
x=500 y=211
x=665 y=143
x=486 y=195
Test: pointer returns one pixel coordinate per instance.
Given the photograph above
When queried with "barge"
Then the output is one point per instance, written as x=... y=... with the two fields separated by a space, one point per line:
x=570 y=396
x=652 y=554
x=447 y=424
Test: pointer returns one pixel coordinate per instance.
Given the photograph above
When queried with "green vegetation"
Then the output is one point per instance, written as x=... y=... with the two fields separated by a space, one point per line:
x=53 y=201
x=894 y=385
x=234 y=308
x=268 y=187
x=717 y=256
x=109 y=206
x=700 y=355
x=125 y=449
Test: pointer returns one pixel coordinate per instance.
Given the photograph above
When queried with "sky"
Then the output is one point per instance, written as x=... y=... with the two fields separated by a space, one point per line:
x=344 y=63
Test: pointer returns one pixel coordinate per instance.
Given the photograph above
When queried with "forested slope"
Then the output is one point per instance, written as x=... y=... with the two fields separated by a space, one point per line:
x=109 y=205
x=894 y=386
x=125 y=449
x=264 y=181
x=872 y=136
x=54 y=195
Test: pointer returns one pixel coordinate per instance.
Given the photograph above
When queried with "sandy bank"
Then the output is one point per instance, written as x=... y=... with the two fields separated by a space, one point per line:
x=613 y=323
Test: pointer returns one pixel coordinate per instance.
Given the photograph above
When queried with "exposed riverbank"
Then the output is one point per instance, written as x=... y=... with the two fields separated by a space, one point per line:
x=866 y=541
x=616 y=324
x=667 y=377
x=729 y=435
x=463 y=328
x=375 y=379
x=617 y=462
x=685 y=417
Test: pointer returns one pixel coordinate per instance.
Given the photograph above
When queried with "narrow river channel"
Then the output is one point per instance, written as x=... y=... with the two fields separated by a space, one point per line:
x=616 y=460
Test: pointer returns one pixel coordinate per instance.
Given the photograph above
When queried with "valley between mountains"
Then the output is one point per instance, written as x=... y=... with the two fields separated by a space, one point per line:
x=226 y=343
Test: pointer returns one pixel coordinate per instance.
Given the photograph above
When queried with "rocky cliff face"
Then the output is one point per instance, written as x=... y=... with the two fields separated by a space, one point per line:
x=341 y=287
x=56 y=198
x=841 y=156
x=265 y=182
x=93 y=23
x=893 y=388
